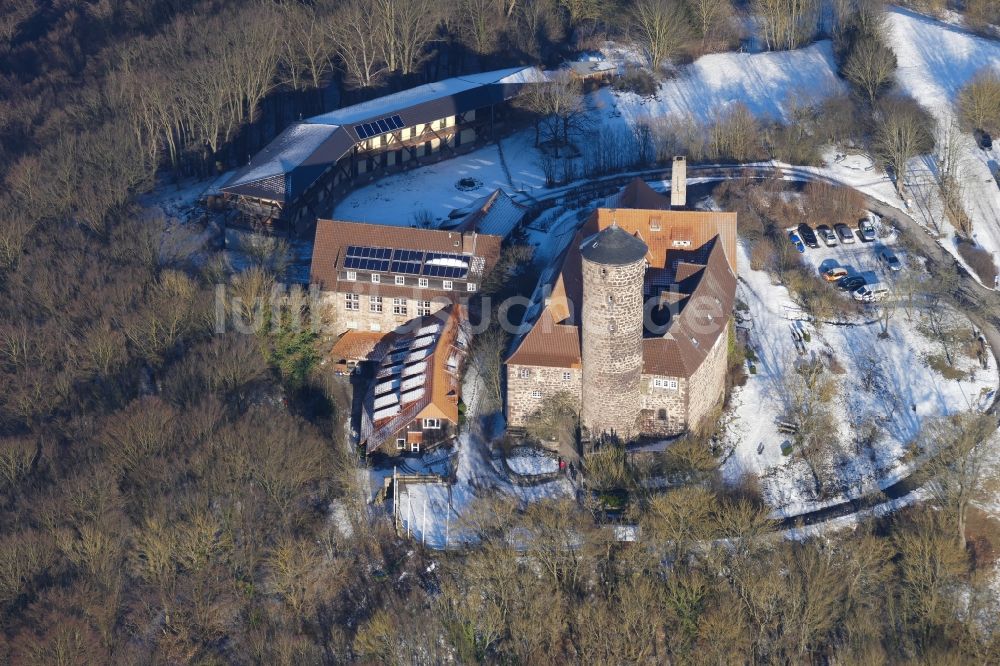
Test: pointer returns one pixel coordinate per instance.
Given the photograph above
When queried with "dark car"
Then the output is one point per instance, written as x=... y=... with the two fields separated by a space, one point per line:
x=808 y=235
x=983 y=139
x=851 y=282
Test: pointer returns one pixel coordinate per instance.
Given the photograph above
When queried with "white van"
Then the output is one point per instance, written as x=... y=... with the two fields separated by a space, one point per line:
x=871 y=293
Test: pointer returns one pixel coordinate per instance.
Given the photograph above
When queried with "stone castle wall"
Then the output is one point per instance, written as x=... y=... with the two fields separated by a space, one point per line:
x=708 y=383
x=674 y=401
x=612 y=325
x=526 y=393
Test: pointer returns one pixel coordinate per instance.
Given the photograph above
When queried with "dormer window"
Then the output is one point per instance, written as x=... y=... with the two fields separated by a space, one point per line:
x=376 y=278
x=654 y=224
x=352 y=275
x=682 y=243
x=400 y=280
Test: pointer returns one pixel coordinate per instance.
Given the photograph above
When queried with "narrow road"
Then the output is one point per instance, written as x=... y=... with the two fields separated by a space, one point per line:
x=979 y=303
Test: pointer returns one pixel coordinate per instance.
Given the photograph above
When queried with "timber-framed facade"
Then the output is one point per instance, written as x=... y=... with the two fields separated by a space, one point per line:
x=300 y=175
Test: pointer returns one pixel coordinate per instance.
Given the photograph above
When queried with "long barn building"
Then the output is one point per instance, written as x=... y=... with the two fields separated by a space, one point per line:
x=299 y=175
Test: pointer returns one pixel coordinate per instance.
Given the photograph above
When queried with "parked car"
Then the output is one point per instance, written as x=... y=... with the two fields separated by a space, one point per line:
x=851 y=282
x=796 y=241
x=845 y=233
x=835 y=274
x=867 y=230
x=983 y=139
x=889 y=260
x=808 y=235
x=871 y=293
x=826 y=235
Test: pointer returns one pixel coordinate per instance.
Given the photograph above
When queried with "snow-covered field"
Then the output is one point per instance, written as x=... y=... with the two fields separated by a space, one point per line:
x=886 y=382
x=767 y=83
x=935 y=60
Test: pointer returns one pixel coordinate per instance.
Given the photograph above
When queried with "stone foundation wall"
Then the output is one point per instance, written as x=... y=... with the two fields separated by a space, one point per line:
x=548 y=381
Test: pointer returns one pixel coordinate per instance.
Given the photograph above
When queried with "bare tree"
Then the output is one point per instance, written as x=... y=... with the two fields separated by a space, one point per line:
x=960 y=464
x=786 y=24
x=307 y=50
x=487 y=357
x=979 y=102
x=870 y=67
x=355 y=34
x=661 y=27
x=950 y=179
x=405 y=28
x=712 y=20
x=556 y=419
x=903 y=131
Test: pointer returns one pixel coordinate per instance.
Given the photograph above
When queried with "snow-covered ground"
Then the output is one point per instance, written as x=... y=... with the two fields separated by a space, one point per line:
x=530 y=464
x=886 y=382
x=935 y=60
x=432 y=512
x=433 y=190
x=767 y=83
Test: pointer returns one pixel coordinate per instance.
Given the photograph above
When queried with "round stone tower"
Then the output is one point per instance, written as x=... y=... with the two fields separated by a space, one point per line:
x=611 y=320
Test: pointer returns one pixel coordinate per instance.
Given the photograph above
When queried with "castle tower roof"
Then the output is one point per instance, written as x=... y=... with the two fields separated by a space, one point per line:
x=613 y=246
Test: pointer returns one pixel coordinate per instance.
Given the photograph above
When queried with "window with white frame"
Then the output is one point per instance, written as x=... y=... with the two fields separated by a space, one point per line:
x=375 y=303
x=422 y=283
x=660 y=382
x=470 y=286
x=525 y=373
x=399 y=306
x=536 y=394
x=400 y=280
x=567 y=376
x=446 y=285
x=352 y=275
x=352 y=302
x=415 y=447
x=400 y=443
x=423 y=308
x=376 y=278
x=432 y=424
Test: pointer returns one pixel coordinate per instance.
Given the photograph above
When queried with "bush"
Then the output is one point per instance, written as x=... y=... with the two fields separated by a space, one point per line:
x=638 y=81
x=979 y=260
x=830 y=204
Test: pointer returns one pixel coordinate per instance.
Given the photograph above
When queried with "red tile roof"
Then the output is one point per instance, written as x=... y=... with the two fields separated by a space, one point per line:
x=334 y=236
x=693 y=252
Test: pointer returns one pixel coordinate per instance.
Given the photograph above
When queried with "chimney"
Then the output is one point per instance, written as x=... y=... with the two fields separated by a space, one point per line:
x=678 y=183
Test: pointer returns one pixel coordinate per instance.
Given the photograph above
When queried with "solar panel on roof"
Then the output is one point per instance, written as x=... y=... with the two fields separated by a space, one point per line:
x=361 y=131
x=382 y=125
x=450 y=266
x=398 y=122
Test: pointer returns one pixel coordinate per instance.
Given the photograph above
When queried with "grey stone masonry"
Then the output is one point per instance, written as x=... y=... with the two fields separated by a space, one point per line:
x=664 y=405
x=611 y=340
x=708 y=383
x=529 y=385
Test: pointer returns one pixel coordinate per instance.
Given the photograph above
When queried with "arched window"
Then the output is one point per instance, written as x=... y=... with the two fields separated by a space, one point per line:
x=661 y=415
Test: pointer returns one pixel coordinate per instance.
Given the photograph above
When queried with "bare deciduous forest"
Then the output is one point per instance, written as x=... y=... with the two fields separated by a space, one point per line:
x=166 y=489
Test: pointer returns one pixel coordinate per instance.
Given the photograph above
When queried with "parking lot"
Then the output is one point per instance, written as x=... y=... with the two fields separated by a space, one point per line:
x=858 y=258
